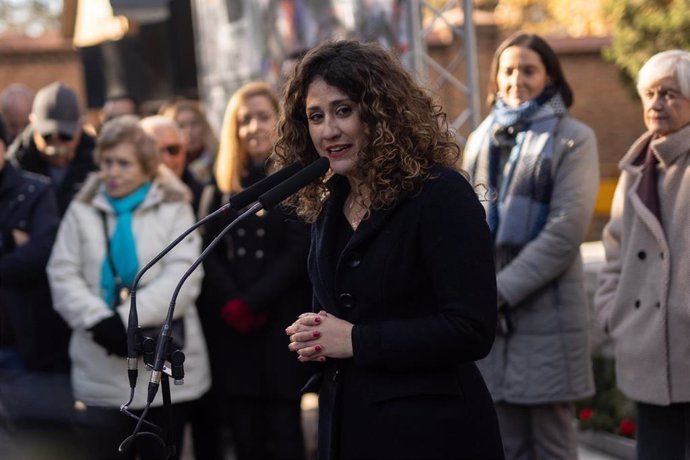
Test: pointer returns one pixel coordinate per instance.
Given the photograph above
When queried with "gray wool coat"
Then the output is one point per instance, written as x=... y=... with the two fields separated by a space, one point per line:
x=643 y=299
x=546 y=359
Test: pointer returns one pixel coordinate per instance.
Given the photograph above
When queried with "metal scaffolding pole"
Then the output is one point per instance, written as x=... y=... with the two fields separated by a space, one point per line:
x=422 y=62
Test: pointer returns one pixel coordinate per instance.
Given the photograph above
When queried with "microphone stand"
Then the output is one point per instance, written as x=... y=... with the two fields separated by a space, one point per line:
x=136 y=345
x=161 y=373
x=164 y=352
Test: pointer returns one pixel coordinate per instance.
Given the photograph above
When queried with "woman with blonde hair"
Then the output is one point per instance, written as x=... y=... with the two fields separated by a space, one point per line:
x=255 y=283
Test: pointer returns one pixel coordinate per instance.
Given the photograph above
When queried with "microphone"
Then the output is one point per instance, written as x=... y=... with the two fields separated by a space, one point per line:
x=286 y=188
x=237 y=202
x=266 y=200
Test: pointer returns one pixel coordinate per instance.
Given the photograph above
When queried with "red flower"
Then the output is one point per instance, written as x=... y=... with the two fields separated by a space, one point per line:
x=586 y=413
x=626 y=428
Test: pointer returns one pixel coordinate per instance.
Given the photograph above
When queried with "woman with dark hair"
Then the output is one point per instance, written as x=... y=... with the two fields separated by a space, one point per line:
x=256 y=282
x=537 y=170
x=400 y=262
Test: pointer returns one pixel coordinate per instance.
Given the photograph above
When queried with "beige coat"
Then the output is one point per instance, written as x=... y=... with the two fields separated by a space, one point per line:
x=643 y=299
x=74 y=272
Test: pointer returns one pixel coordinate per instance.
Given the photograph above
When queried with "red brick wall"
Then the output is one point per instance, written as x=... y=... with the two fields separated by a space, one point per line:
x=39 y=62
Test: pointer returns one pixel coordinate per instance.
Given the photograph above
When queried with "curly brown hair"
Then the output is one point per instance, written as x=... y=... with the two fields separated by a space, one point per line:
x=407 y=131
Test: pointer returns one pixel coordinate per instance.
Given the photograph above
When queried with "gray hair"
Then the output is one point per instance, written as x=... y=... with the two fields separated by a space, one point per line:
x=666 y=64
x=126 y=129
x=154 y=123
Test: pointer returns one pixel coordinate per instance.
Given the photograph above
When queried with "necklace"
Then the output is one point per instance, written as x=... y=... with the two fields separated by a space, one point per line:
x=355 y=211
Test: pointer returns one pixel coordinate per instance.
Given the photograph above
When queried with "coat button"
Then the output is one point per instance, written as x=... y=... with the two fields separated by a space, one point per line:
x=642 y=255
x=354 y=261
x=259 y=254
x=347 y=300
x=637 y=303
x=241 y=251
x=260 y=232
x=658 y=305
x=661 y=254
x=240 y=232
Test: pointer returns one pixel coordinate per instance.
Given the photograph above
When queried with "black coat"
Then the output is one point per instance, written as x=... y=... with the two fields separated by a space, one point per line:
x=27 y=318
x=417 y=281
x=262 y=260
x=24 y=155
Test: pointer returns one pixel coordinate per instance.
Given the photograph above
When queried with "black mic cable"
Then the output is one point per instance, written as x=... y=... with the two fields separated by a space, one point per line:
x=237 y=202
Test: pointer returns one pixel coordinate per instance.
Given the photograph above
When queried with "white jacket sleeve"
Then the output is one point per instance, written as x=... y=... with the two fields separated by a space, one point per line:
x=73 y=298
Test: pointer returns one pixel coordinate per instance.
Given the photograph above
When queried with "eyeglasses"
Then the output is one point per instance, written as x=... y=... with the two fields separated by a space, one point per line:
x=173 y=149
x=52 y=137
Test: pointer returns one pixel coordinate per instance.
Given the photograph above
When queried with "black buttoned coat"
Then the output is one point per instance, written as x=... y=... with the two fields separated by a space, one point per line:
x=262 y=260
x=418 y=283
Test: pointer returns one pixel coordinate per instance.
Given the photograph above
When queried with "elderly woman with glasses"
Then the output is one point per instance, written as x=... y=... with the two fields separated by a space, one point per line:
x=643 y=296
x=122 y=218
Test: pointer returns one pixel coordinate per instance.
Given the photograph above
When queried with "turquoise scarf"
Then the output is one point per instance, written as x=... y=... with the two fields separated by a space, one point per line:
x=122 y=244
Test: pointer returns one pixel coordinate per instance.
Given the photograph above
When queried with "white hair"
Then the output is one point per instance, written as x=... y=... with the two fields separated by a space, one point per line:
x=666 y=64
x=154 y=123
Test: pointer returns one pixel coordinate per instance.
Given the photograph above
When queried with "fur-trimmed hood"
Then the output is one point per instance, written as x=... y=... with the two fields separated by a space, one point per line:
x=167 y=188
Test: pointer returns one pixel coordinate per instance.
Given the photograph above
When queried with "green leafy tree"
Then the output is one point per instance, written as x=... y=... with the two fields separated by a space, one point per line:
x=642 y=28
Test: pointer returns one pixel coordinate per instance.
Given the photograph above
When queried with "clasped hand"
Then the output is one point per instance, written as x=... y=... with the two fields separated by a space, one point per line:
x=317 y=336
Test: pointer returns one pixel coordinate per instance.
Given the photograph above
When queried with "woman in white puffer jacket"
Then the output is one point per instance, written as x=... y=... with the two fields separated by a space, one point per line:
x=145 y=207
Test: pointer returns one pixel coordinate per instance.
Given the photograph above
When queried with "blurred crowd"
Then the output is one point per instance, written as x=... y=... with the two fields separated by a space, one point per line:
x=84 y=207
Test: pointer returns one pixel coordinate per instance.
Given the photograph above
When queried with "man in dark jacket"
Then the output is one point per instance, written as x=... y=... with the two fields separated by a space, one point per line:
x=30 y=330
x=54 y=144
x=35 y=394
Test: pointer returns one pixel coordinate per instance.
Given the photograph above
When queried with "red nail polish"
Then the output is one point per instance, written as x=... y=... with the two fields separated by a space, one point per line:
x=322 y=359
x=317 y=348
x=316 y=334
x=317 y=319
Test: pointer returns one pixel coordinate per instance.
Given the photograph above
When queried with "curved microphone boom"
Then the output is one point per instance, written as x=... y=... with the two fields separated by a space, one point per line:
x=265 y=201
x=237 y=202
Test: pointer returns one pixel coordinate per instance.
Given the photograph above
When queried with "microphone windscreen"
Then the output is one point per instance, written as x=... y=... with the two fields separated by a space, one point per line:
x=250 y=194
x=293 y=184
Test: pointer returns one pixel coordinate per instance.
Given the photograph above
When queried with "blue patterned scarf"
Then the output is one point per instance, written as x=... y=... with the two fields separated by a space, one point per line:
x=122 y=244
x=514 y=162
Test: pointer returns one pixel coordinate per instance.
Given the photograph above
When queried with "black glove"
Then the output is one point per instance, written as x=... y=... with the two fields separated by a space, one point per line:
x=111 y=334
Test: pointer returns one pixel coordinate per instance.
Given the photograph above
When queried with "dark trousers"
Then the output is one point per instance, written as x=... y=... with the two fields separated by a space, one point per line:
x=206 y=421
x=266 y=428
x=102 y=430
x=663 y=431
